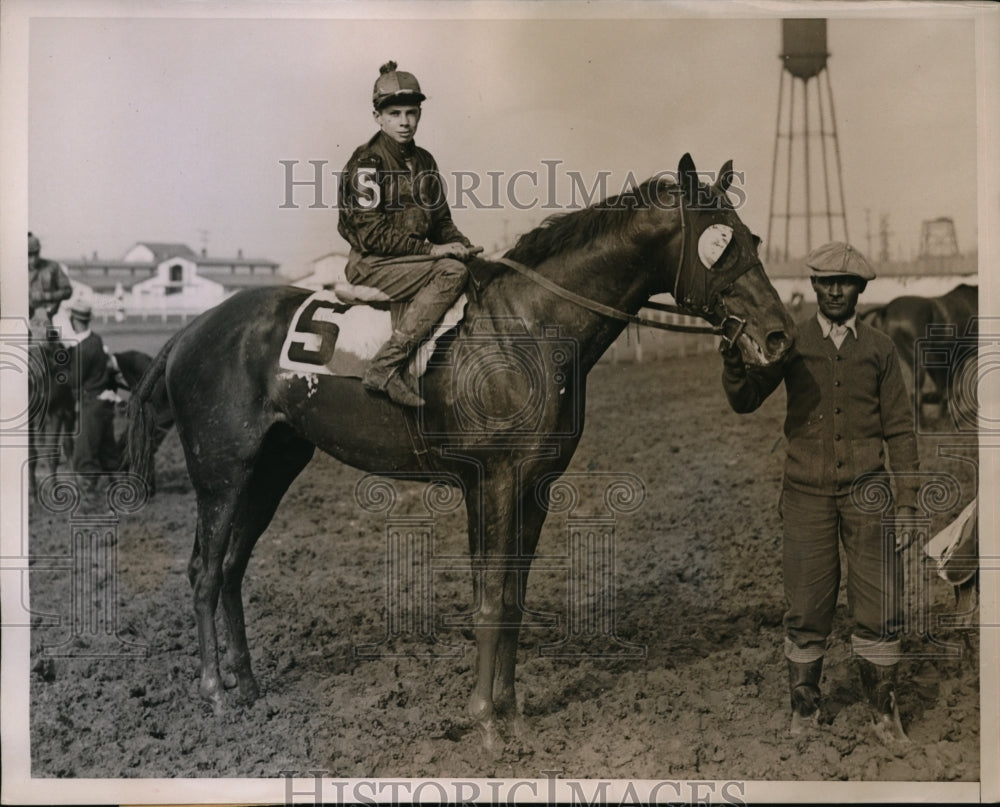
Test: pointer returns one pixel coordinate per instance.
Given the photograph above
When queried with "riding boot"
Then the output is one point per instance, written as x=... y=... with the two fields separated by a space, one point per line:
x=878 y=686
x=803 y=684
x=387 y=372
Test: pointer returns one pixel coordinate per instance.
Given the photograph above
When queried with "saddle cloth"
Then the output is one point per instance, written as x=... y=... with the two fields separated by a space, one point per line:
x=360 y=331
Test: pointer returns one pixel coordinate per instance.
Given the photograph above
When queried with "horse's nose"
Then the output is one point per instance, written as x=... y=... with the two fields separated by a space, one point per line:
x=777 y=343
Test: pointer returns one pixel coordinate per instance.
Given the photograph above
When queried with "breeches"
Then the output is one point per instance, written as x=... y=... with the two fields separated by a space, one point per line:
x=401 y=277
x=813 y=529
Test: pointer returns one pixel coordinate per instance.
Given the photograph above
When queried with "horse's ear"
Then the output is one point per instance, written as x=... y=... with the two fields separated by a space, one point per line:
x=687 y=175
x=725 y=176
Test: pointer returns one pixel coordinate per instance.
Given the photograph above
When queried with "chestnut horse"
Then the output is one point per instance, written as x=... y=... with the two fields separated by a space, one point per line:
x=499 y=431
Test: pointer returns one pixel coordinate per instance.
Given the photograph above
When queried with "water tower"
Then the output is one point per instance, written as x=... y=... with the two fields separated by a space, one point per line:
x=938 y=239
x=806 y=149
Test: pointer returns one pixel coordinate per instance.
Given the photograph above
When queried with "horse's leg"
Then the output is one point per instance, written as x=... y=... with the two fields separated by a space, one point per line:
x=282 y=457
x=68 y=425
x=490 y=508
x=532 y=515
x=216 y=511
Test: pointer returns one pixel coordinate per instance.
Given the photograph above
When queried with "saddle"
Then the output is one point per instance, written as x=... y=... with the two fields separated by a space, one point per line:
x=481 y=272
x=349 y=294
x=360 y=320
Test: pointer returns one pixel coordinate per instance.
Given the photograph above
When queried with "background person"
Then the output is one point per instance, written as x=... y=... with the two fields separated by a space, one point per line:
x=48 y=286
x=95 y=451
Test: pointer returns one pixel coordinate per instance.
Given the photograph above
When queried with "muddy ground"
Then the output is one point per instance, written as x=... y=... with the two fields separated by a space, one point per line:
x=697 y=591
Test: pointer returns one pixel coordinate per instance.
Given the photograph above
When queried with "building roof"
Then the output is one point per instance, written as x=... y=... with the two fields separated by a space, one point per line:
x=104 y=277
x=238 y=261
x=247 y=281
x=163 y=250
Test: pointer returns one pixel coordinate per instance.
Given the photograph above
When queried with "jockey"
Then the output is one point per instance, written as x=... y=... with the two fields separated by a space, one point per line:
x=48 y=285
x=394 y=214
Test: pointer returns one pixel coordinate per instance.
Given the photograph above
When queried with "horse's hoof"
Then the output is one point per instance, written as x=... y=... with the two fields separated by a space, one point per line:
x=889 y=731
x=489 y=734
x=212 y=695
x=228 y=680
x=802 y=724
x=249 y=691
x=217 y=702
x=520 y=729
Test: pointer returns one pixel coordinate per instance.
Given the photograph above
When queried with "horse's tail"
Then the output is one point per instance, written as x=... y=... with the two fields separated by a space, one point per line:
x=141 y=442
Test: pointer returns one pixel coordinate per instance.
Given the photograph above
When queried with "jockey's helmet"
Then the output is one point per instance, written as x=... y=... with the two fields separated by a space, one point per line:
x=395 y=87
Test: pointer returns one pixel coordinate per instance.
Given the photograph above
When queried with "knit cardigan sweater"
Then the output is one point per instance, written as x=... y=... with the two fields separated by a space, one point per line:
x=844 y=407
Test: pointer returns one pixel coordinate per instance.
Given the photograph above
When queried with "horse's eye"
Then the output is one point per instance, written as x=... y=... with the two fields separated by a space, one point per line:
x=713 y=242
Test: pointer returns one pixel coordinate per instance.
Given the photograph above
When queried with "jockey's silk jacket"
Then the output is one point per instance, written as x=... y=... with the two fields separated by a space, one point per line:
x=844 y=407
x=47 y=285
x=389 y=208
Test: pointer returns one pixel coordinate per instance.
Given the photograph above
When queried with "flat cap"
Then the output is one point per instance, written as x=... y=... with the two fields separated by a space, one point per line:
x=838 y=258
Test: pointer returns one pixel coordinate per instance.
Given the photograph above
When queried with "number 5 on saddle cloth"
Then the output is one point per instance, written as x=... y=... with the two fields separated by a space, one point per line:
x=337 y=331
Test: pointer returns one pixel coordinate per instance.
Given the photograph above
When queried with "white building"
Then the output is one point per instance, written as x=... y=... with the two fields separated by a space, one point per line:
x=166 y=279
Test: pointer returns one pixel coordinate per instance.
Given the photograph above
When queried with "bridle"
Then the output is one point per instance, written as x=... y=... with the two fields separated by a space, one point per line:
x=697 y=302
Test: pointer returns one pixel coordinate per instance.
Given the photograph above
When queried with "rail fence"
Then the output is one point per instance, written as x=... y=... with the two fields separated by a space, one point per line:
x=638 y=343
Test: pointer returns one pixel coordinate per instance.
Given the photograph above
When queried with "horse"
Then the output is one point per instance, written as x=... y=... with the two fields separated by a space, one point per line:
x=936 y=328
x=52 y=404
x=499 y=433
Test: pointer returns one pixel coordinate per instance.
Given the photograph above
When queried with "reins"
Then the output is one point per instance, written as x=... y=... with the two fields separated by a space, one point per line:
x=624 y=316
x=606 y=310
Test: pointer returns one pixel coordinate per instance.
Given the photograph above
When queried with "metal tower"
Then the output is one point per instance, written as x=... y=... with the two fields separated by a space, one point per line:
x=806 y=150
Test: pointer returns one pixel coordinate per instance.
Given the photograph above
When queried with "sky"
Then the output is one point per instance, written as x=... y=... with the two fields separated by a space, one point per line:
x=182 y=129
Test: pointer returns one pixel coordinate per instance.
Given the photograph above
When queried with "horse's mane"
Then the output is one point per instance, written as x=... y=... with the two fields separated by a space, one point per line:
x=564 y=232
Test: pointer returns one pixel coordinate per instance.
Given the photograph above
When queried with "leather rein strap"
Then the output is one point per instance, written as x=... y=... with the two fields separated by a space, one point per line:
x=606 y=310
x=614 y=313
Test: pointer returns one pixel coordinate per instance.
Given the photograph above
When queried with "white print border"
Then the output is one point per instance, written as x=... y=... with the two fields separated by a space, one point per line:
x=20 y=787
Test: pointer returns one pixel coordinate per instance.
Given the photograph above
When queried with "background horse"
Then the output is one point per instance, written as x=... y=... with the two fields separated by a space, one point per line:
x=505 y=401
x=942 y=326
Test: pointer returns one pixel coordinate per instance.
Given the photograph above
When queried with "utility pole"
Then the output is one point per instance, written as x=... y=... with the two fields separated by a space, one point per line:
x=883 y=236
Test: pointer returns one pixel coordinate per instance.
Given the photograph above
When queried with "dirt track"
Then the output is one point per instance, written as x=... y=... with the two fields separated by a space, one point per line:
x=698 y=586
